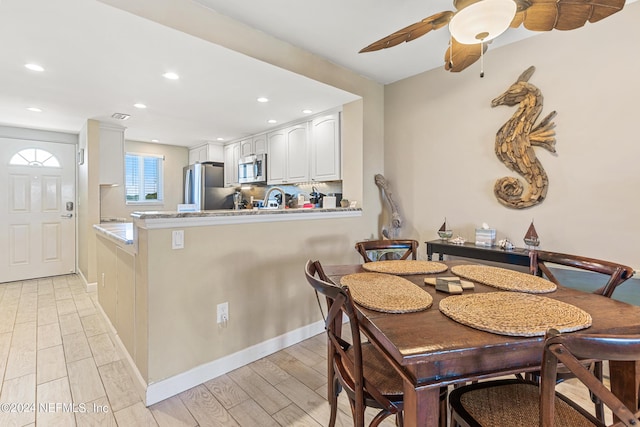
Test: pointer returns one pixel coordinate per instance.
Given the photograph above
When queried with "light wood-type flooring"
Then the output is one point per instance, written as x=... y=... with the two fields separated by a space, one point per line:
x=60 y=367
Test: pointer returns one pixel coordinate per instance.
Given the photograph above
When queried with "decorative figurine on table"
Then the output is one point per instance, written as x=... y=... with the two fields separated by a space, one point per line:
x=532 y=241
x=443 y=232
x=531 y=236
x=505 y=244
x=458 y=241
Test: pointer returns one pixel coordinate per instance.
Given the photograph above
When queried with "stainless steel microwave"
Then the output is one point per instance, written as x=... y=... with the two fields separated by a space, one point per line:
x=252 y=169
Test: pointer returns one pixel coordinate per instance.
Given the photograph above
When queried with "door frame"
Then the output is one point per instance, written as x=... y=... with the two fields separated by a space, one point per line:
x=36 y=135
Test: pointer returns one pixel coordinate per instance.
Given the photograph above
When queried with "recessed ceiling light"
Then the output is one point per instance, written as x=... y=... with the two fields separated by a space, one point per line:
x=35 y=109
x=171 y=76
x=272 y=121
x=263 y=99
x=34 y=67
x=219 y=139
x=307 y=111
x=139 y=105
x=155 y=140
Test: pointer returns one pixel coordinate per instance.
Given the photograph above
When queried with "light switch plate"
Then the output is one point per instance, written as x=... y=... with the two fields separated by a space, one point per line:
x=177 y=239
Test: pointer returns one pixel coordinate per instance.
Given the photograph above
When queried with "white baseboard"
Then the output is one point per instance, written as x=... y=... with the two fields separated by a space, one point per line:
x=166 y=388
x=163 y=389
x=139 y=383
x=90 y=287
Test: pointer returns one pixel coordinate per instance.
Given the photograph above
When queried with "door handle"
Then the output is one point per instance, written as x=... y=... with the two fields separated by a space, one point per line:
x=69 y=215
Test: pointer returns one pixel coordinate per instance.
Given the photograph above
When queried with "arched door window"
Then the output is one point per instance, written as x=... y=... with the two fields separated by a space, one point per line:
x=34 y=157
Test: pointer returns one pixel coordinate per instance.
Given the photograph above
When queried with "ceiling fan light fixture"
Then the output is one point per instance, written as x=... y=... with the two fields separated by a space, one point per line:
x=482 y=21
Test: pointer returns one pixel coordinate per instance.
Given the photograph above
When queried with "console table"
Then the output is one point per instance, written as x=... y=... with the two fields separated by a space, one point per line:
x=516 y=256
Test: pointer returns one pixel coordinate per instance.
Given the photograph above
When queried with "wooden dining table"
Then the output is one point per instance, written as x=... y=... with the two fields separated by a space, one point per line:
x=430 y=350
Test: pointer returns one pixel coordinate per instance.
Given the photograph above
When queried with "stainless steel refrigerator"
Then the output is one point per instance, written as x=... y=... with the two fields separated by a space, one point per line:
x=204 y=186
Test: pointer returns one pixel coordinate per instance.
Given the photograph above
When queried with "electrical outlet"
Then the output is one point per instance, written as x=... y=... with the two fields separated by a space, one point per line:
x=177 y=239
x=223 y=313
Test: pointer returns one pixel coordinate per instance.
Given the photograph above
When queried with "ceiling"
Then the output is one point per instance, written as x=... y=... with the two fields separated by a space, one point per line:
x=100 y=60
x=338 y=29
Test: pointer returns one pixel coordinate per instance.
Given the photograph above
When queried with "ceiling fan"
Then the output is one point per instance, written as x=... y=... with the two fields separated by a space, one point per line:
x=477 y=22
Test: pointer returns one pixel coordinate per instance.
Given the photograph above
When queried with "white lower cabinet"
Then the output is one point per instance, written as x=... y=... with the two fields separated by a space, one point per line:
x=116 y=289
x=125 y=301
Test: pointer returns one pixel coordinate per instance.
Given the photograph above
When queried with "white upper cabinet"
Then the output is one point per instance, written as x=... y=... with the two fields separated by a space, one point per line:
x=256 y=144
x=231 y=157
x=325 y=148
x=260 y=144
x=208 y=152
x=111 y=154
x=308 y=151
x=297 y=153
x=198 y=154
x=277 y=157
x=288 y=155
x=246 y=147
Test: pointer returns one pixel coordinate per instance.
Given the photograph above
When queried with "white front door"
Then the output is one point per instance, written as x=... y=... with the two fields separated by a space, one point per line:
x=37 y=216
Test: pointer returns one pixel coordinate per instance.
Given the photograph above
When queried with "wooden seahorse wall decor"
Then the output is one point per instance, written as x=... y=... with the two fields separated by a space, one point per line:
x=515 y=141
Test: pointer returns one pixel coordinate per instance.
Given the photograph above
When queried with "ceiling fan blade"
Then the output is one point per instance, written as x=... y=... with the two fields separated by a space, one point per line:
x=521 y=6
x=462 y=55
x=517 y=20
x=411 y=32
x=545 y=15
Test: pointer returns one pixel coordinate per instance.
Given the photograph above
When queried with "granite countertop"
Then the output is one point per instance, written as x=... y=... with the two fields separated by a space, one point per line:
x=236 y=213
x=119 y=231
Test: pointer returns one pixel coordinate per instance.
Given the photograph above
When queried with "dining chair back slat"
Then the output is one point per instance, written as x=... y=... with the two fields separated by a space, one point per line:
x=517 y=402
x=346 y=357
x=387 y=249
x=617 y=273
x=570 y=349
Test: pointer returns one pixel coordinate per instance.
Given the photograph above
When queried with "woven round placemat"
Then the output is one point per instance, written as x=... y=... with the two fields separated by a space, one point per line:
x=405 y=267
x=514 y=313
x=501 y=278
x=386 y=293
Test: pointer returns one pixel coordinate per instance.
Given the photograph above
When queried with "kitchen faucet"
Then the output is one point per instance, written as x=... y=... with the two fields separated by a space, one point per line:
x=265 y=203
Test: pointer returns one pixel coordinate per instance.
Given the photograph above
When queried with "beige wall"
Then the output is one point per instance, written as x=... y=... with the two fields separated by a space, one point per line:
x=88 y=211
x=112 y=200
x=440 y=131
x=256 y=268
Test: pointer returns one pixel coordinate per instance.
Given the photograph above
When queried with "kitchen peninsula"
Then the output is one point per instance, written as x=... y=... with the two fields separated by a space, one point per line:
x=161 y=292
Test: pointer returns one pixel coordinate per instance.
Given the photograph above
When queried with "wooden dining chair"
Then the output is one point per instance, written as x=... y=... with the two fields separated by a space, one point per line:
x=515 y=402
x=387 y=249
x=356 y=366
x=617 y=273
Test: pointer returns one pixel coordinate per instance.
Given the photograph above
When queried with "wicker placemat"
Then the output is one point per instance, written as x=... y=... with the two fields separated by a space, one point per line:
x=501 y=278
x=386 y=293
x=405 y=267
x=514 y=313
